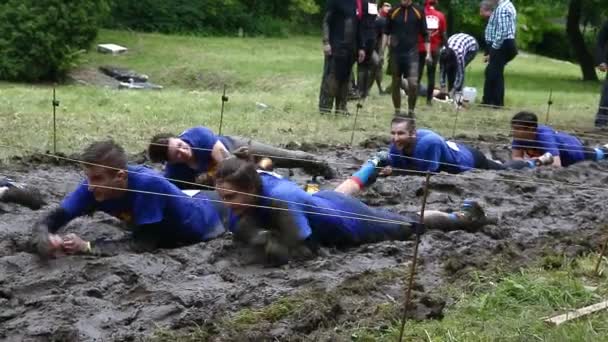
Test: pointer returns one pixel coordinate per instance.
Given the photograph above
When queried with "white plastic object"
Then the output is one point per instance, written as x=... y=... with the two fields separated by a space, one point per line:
x=469 y=94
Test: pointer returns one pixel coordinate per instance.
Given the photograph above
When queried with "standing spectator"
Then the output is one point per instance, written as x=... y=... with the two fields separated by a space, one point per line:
x=341 y=39
x=368 y=33
x=437 y=27
x=453 y=60
x=404 y=25
x=501 y=49
x=601 y=119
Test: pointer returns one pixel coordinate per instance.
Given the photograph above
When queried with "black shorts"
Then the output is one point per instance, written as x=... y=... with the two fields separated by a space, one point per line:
x=405 y=65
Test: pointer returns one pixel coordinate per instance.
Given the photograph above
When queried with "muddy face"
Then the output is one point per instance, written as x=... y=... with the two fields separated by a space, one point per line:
x=178 y=151
x=525 y=133
x=106 y=184
x=403 y=136
x=238 y=200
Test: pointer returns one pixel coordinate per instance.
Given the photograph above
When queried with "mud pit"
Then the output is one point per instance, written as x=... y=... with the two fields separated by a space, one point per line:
x=210 y=285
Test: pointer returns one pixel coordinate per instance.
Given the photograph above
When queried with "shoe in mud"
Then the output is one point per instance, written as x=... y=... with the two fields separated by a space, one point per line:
x=545 y=159
x=473 y=212
x=327 y=171
x=411 y=114
x=380 y=159
x=16 y=193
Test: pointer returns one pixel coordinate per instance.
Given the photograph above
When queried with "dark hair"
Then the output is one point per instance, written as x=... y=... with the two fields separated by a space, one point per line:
x=159 y=147
x=447 y=57
x=106 y=153
x=240 y=173
x=526 y=119
x=487 y=5
x=409 y=122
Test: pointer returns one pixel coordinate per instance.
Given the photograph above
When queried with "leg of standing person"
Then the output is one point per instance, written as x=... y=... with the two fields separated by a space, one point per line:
x=412 y=80
x=396 y=66
x=601 y=118
x=493 y=88
x=431 y=69
x=326 y=98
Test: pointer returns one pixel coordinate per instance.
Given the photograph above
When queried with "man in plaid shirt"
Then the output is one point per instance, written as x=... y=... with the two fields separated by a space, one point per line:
x=500 y=50
x=453 y=59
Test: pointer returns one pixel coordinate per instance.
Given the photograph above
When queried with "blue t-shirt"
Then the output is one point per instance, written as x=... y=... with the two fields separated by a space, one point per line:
x=182 y=217
x=201 y=140
x=323 y=216
x=568 y=147
x=433 y=153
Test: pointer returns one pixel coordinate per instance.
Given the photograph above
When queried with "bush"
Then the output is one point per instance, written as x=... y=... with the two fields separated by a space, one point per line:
x=41 y=39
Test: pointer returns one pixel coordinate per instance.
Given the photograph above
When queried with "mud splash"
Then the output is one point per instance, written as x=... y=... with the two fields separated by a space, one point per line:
x=211 y=285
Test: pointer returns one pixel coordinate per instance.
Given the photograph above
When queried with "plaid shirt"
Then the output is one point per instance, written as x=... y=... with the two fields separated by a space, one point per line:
x=502 y=24
x=461 y=44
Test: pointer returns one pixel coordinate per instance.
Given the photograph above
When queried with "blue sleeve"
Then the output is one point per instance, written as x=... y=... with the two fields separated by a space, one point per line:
x=429 y=157
x=149 y=208
x=548 y=143
x=202 y=140
x=80 y=202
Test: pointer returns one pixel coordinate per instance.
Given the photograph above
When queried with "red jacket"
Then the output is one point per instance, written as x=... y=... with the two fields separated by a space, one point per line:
x=437 y=25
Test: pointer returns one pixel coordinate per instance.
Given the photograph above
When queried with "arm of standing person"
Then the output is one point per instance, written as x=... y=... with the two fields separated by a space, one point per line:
x=601 y=50
x=423 y=30
x=326 y=27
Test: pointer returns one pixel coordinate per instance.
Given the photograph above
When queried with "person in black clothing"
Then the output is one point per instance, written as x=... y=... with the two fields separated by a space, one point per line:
x=342 y=39
x=369 y=64
x=601 y=119
x=404 y=25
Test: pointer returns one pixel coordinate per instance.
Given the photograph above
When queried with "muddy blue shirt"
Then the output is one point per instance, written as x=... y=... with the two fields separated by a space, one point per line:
x=325 y=216
x=180 y=216
x=568 y=147
x=201 y=140
x=433 y=153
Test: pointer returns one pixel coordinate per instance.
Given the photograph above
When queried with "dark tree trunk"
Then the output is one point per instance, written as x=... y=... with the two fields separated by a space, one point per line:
x=584 y=57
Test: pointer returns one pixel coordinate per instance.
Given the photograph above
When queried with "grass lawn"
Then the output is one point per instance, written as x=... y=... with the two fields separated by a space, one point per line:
x=281 y=73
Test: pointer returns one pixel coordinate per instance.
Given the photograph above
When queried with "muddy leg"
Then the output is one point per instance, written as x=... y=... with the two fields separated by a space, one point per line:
x=471 y=217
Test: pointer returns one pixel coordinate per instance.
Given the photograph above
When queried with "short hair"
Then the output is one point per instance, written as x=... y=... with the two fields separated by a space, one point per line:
x=105 y=153
x=240 y=173
x=158 y=150
x=447 y=57
x=409 y=122
x=524 y=118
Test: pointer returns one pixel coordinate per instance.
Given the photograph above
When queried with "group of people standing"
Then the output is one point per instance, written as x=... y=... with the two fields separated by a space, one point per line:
x=360 y=31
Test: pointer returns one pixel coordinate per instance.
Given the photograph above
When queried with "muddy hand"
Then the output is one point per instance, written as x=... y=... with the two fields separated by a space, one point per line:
x=72 y=243
x=45 y=244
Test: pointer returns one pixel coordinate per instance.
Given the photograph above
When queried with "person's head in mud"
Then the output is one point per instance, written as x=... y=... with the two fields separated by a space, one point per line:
x=403 y=133
x=166 y=147
x=105 y=164
x=238 y=184
x=523 y=126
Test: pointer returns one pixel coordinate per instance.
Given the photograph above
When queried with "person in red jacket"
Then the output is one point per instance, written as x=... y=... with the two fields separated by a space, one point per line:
x=437 y=27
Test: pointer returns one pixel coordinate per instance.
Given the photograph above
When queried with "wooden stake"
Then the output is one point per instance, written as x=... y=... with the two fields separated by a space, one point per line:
x=599 y=260
x=224 y=100
x=352 y=136
x=408 y=294
x=557 y=320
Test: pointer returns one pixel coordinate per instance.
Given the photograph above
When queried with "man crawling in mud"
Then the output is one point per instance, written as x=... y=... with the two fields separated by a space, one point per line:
x=158 y=213
x=276 y=215
x=12 y=192
x=420 y=150
x=531 y=140
x=192 y=156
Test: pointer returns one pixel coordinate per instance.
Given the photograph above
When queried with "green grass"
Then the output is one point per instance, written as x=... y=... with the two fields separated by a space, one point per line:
x=282 y=73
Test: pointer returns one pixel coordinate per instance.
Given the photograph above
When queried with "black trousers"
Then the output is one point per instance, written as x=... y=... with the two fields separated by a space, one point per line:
x=483 y=163
x=601 y=118
x=494 y=86
x=430 y=72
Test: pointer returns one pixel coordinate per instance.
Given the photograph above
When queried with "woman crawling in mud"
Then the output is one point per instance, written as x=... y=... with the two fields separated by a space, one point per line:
x=285 y=221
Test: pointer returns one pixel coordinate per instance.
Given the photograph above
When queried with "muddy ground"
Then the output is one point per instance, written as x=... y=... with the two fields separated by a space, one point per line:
x=209 y=285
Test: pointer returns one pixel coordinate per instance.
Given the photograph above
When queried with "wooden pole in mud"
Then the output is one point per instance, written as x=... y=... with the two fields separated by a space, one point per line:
x=599 y=260
x=55 y=104
x=352 y=135
x=224 y=100
x=408 y=294
x=549 y=103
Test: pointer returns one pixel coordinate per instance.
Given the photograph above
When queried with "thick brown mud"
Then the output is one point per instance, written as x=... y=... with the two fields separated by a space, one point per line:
x=213 y=286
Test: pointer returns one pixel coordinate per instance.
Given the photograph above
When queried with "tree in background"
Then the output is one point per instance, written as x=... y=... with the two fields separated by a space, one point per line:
x=42 y=39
